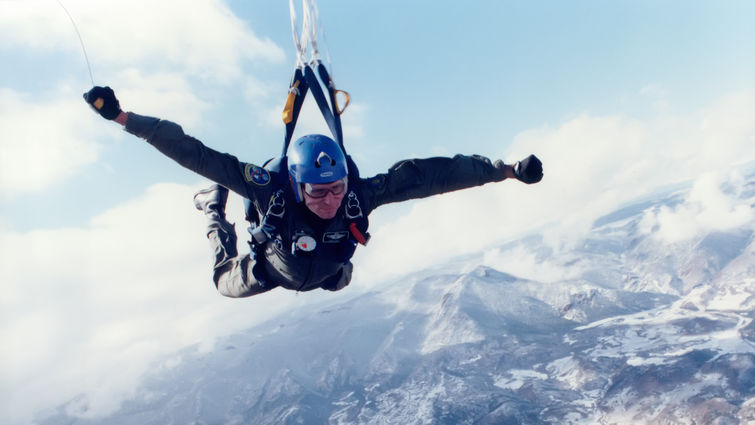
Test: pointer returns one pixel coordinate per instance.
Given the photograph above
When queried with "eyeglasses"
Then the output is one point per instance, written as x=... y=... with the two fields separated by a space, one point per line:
x=338 y=188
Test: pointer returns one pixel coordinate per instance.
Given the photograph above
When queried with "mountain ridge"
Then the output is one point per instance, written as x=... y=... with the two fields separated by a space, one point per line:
x=640 y=330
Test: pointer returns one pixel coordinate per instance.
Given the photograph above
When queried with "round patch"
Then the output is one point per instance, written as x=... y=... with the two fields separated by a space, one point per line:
x=256 y=175
x=306 y=243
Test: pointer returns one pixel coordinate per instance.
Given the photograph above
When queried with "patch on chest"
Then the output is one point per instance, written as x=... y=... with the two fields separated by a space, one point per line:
x=306 y=243
x=378 y=182
x=256 y=175
x=335 y=237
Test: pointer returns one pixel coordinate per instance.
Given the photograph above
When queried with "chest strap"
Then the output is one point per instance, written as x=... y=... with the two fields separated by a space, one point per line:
x=354 y=215
x=271 y=221
x=268 y=228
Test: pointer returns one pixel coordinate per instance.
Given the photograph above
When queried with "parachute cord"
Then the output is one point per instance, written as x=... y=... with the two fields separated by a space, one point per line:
x=307 y=38
x=327 y=53
x=300 y=42
x=306 y=24
x=313 y=21
x=81 y=41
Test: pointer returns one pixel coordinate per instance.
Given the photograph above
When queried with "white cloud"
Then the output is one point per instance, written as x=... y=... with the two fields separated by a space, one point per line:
x=43 y=142
x=134 y=285
x=257 y=92
x=727 y=132
x=47 y=141
x=159 y=94
x=202 y=38
x=592 y=165
x=523 y=263
x=658 y=94
x=713 y=204
x=87 y=310
x=146 y=51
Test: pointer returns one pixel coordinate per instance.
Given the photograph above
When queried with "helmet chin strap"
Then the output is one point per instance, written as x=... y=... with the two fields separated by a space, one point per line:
x=298 y=189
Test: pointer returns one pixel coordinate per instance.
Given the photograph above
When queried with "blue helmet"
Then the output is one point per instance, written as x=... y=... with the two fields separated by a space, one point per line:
x=315 y=158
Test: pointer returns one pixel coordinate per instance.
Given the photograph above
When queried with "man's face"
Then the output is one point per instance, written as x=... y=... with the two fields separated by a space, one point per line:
x=324 y=199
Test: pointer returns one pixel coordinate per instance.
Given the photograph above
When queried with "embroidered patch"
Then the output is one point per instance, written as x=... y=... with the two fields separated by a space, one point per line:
x=378 y=181
x=256 y=175
x=334 y=237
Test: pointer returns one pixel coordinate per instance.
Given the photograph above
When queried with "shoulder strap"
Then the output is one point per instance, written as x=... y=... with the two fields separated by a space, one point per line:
x=273 y=165
x=304 y=80
x=297 y=91
x=305 y=77
x=355 y=217
x=265 y=227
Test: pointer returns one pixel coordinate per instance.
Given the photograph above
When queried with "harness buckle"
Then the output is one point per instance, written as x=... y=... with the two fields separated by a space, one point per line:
x=267 y=228
x=353 y=210
x=277 y=206
x=262 y=233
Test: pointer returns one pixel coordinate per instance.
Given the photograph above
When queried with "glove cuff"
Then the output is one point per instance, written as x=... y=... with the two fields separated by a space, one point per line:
x=500 y=167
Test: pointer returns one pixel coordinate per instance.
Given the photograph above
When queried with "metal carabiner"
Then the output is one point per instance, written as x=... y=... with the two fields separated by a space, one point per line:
x=288 y=110
x=353 y=209
x=348 y=99
x=277 y=206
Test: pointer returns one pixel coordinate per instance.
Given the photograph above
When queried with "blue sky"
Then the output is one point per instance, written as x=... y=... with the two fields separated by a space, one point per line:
x=97 y=229
x=433 y=78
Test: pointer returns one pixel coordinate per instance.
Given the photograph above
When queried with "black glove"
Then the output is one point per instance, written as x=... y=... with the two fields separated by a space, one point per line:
x=529 y=170
x=103 y=101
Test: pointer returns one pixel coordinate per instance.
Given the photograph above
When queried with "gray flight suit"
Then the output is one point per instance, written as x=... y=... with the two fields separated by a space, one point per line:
x=328 y=267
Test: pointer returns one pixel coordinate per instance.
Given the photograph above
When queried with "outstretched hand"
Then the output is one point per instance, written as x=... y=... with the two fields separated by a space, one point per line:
x=103 y=101
x=529 y=170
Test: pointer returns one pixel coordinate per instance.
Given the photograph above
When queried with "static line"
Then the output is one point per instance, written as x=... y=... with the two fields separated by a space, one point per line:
x=81 y=41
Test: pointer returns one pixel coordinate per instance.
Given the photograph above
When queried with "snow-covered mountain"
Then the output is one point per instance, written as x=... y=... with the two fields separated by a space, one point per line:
x=643 y=330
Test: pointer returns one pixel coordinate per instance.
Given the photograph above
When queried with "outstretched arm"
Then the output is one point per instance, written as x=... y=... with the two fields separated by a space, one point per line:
x=420 y=178
x=170 y=139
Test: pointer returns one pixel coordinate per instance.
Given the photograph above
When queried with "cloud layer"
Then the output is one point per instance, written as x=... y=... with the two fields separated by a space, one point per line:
x=593 y=165
x=203 y=38
x=713 y=204
x=88 y=310
x=152 y=54
x=44 y=142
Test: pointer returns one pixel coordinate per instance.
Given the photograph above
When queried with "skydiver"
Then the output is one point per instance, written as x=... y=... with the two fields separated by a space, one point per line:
x=310 y=228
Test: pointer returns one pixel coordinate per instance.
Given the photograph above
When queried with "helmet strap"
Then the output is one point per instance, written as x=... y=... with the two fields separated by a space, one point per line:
x=297 y=188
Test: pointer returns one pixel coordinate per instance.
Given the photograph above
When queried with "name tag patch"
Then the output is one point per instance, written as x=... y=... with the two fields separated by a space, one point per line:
x=335 y=237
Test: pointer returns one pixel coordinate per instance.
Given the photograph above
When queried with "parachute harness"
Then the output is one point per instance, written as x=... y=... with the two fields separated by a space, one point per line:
x=305 y=79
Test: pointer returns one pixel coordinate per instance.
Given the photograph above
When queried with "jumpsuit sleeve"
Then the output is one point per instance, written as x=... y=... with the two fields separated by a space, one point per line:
x=420 y=178
x=170 y=139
